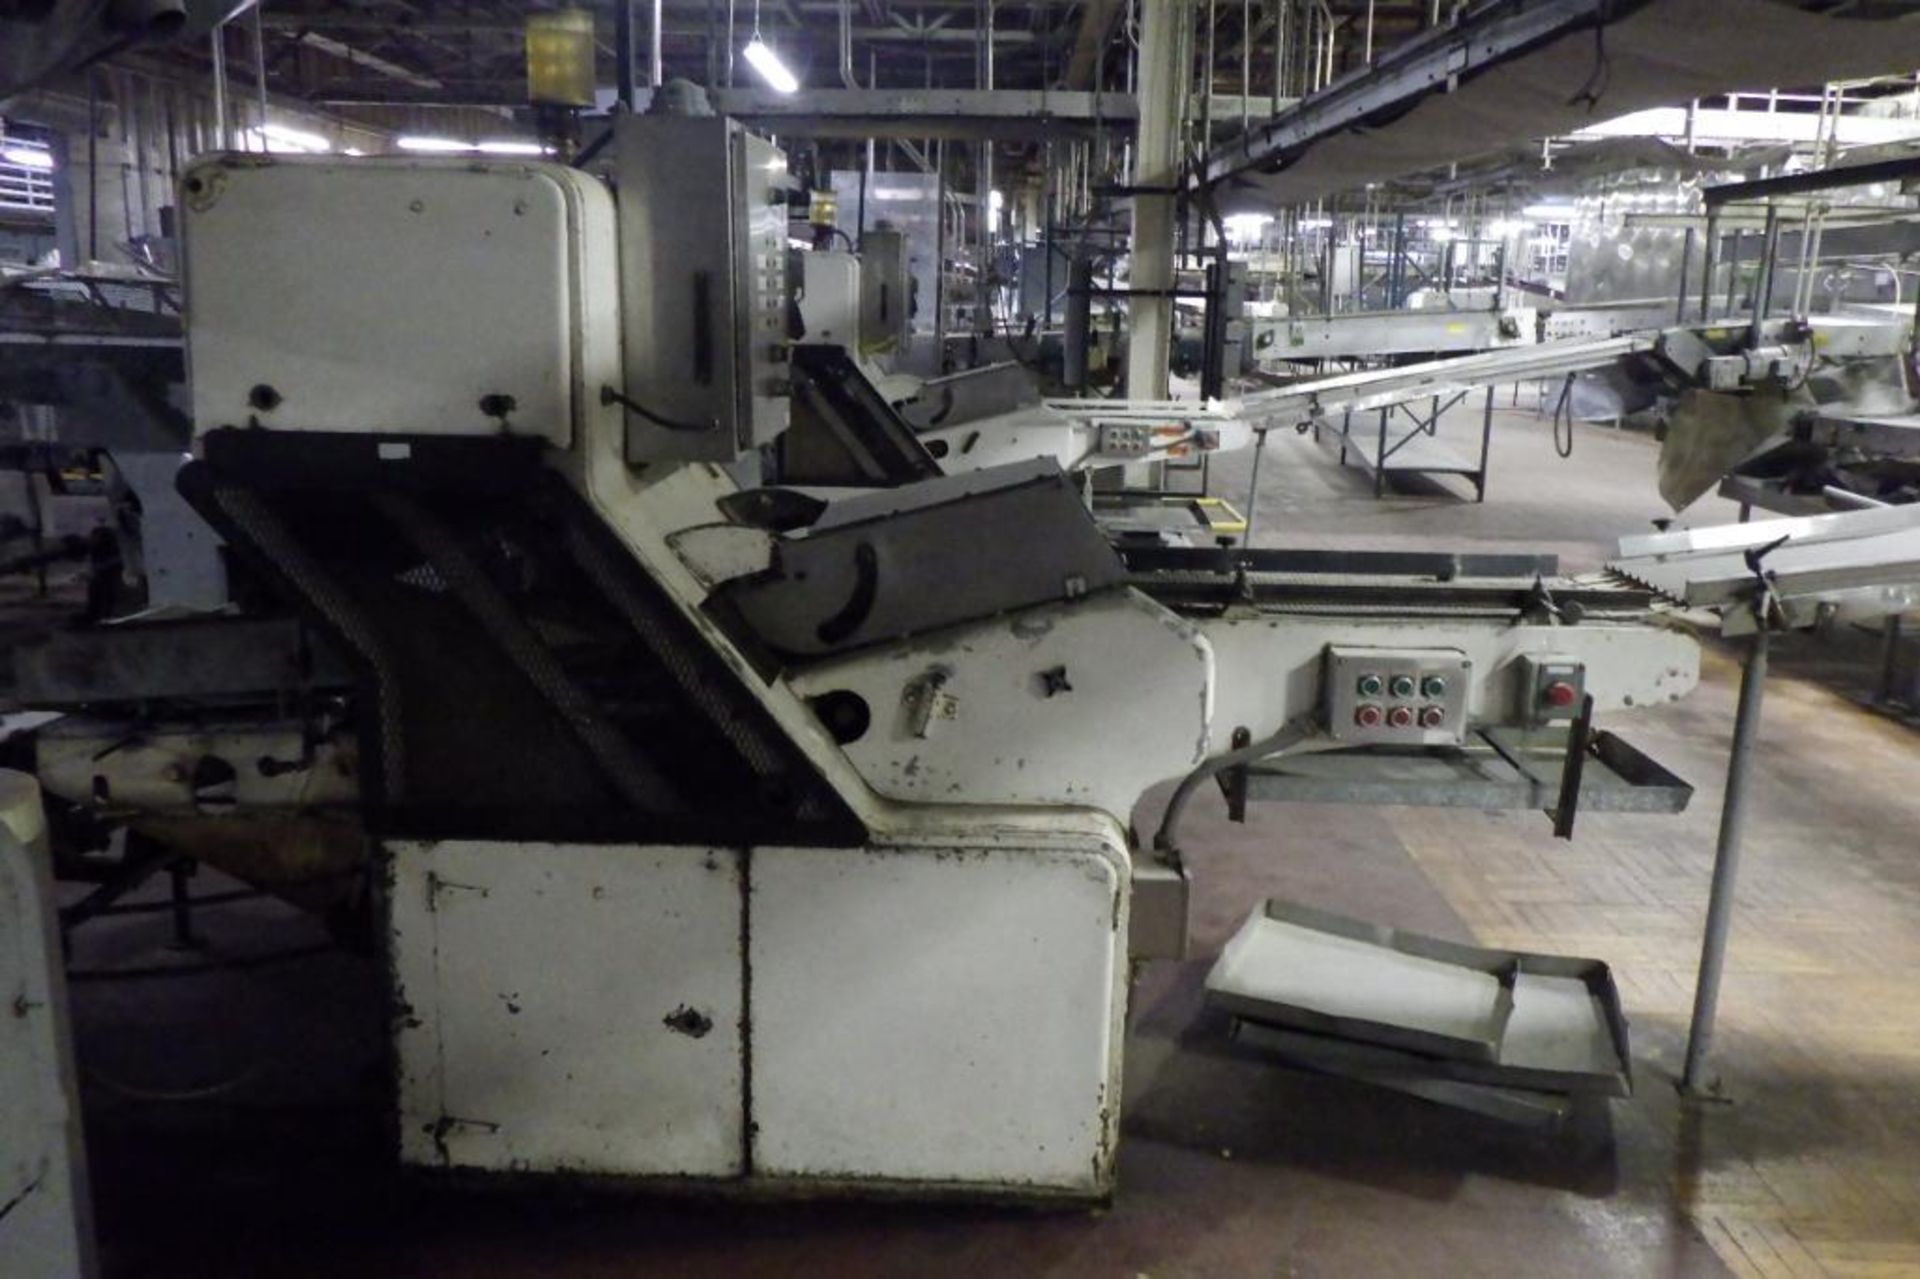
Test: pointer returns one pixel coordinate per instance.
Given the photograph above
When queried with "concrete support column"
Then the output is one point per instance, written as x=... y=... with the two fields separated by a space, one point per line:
x=1162 y=93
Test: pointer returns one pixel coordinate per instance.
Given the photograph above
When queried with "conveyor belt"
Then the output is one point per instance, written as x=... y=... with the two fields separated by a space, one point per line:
x=1397 y=583
x=1324 y=398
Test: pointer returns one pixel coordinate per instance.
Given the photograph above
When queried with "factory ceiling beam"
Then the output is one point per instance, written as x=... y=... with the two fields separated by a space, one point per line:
x=372 y=62
x=1508 y=72
x=1488 y=34
x=1010 y=114
x=689 y=28
x=1090 y=38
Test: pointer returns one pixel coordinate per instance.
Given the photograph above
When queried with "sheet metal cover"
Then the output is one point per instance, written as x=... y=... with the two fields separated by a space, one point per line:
x=1291 y=965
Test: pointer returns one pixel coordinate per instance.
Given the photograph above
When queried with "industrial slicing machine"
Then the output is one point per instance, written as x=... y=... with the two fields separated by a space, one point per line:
x=725 y=833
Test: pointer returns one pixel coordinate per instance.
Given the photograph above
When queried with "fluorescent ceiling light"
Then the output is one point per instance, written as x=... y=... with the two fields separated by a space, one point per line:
x=511 y=147
x=1549 y=212
x=765 y=61
x=27 y=157
x=432 y=145
x=283 y=137
x=354 y=151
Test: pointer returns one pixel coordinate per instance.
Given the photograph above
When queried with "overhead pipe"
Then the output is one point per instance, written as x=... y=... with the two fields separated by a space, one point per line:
x=218 y=46
x=654 y=72
x=846 y=45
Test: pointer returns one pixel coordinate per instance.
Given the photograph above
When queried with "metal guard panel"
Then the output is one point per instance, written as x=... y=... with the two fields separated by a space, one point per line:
x=909 y=571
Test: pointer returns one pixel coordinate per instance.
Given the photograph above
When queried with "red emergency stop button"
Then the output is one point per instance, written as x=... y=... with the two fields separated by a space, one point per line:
x=1400 y=717
x=1559 y=693
x=1367 y=716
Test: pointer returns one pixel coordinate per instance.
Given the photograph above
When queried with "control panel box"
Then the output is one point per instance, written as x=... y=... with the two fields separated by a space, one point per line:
x=1124 y=439
x=703 y=287
x=1397 y=696
x=1552 y=687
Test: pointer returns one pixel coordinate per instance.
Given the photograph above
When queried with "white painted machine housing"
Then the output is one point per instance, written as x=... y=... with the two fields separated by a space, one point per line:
x=549 y=992
x=938 y=1015
x=438 y=283
x=984 y=946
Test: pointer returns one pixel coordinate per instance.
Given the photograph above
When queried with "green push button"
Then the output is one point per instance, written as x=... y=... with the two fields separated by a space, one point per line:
x=1402 y=686
x=1369 y=685
x=1433 y=686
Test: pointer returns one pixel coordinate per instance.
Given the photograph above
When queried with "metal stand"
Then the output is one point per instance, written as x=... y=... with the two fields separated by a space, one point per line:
x=1253 y=485
x=1417 y=449
x=1726 y=866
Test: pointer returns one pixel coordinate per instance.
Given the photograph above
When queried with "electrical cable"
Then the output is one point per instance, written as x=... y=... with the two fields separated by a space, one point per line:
x=1565 y=403
x=1293 y=733
x=610 y=396
x=1602 y=73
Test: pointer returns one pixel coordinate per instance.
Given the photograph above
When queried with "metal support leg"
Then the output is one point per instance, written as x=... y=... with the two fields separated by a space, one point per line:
x=179 y=871
x=1380 y=459
x=1486 y=446
x=1889 y=659
x=1253 y=485
x=1726 y=865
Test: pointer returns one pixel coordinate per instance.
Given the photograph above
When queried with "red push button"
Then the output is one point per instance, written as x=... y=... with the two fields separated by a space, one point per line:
x=1559 y=693
x=1400 y=717
x=1367 y=716
x=1432 y=717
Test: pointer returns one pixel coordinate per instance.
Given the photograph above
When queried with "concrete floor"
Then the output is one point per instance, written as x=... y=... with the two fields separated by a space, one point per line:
x=1230 y=1166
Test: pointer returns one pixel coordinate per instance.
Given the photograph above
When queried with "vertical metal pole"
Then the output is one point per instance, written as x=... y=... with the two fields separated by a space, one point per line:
x=623 y=50
x=1733 y=269
x=1079 y=324
x=1047 y=215
x=1708 y=253
x=1380 y=459
x=1726 y=861
x=940 y=256
x=1253 y=484
x=1156 y=158
x=654 y=71
x=1686 y=264
x=138 y=133
x=983 y=269
x=217 y=46
x=93 y=195
x=1280 y=8
x=260 y=69
x=1889 y=657
x=1763 y=287
x=1486 y=447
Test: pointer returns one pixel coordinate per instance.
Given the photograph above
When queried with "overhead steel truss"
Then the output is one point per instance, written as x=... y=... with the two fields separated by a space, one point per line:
x=1478 y=38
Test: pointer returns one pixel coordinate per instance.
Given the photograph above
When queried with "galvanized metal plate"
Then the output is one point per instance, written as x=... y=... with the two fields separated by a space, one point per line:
x=1562 y=1028
x=1291 y=965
